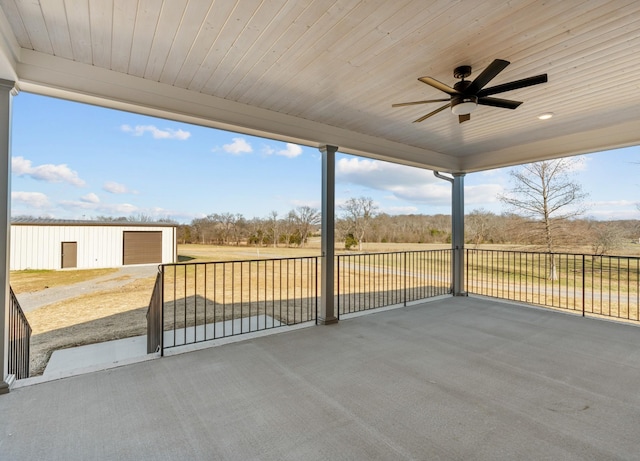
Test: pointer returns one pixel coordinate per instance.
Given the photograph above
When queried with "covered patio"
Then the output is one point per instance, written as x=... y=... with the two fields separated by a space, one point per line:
x=454 y=378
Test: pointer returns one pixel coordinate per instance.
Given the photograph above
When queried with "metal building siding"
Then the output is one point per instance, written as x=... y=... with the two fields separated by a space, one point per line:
x=40 y=246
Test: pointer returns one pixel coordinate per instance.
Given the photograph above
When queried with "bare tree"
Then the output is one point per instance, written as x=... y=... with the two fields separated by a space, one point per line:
x=306 y=219
x=274 y=227
x=607 y=236
x=257 y=232
x=358 y=214
x=545 y=192
x=479 y=226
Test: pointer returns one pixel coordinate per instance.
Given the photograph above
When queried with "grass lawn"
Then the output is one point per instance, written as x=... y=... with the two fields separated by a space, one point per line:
x=91 y=318
x=35 y=280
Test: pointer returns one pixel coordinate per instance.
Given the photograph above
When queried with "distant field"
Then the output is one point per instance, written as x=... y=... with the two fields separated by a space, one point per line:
x=112 y=314
x=194 y=252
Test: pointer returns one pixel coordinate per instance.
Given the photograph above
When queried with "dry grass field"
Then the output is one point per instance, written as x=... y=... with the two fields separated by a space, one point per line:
x=92 y=318
x=35 y=280
x=106 y=315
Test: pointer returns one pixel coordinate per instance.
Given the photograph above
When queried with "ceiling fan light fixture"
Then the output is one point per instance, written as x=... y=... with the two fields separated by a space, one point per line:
x=464 y=105
x=545 y=116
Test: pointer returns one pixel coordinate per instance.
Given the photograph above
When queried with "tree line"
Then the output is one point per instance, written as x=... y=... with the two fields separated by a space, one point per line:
x=545 y=205
x=352 y=229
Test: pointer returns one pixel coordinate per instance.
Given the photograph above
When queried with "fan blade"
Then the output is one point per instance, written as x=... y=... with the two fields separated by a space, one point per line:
x=487 y=75
x=424 y=117
x=439 y=85
x=497 y=102
x=401 y=104
x=464 y=118
x=530 y=81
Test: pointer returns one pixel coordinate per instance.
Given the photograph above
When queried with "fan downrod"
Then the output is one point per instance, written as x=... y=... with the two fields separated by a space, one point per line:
x=462 y=72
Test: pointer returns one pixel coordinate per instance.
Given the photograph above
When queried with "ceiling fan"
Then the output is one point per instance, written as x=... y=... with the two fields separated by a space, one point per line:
x=465 y=95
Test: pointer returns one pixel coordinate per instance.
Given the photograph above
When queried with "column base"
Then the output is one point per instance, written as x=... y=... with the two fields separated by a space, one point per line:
x=327 y=321
x=5 y=386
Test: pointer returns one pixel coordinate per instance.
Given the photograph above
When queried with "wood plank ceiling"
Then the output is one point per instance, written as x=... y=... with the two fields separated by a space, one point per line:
x=327 y=71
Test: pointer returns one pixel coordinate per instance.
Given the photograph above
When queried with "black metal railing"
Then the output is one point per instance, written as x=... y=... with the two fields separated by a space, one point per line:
x=206 y=301
x=373 y=280
x=155 y=317
x=595 y=285
x=19 y=339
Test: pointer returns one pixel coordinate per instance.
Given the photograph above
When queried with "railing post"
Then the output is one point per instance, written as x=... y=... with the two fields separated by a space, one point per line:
x=161 y=327
x=337 y=288
x=404 y=279
x=583 y=284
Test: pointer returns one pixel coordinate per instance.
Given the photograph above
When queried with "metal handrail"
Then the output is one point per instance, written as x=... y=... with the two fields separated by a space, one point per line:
x=595 y=285
x=373 y=280
x=155 y=317
x=19 y=339
x=203 y=301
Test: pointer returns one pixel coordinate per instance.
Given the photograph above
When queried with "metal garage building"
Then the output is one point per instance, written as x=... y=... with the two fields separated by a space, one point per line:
x=62 y=244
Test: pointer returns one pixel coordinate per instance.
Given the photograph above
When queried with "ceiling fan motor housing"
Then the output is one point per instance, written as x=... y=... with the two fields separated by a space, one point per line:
x=462 y=72
x=463 y=104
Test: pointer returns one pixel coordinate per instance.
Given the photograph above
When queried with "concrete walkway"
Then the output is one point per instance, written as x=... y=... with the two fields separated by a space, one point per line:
x=108 y=354
x=454 y=379
x=123 y=276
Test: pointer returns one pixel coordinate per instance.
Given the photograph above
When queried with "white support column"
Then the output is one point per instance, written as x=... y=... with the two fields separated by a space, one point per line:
x=327 y=312
x=457 y=233
x=6 y=89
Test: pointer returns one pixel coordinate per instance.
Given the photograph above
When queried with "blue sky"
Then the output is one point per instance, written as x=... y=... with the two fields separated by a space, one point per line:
x=76 y=161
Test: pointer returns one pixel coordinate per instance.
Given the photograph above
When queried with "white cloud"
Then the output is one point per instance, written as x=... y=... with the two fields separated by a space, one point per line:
x=406 y=183
x=48 y=172
x=482 y=193
x=310 y=203
x=90 y=198
x=238 y=146
x=31 y=199
x=381 y=175
x=291 y=151
x=432 y=194
x=157 y=133
x=579 y=163
x=394 y=210
x=415 y=185
x=613 y=209
x=115 y=209
x=116 y=188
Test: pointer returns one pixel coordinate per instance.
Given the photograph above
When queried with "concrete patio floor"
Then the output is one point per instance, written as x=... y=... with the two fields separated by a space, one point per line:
x=451 y=379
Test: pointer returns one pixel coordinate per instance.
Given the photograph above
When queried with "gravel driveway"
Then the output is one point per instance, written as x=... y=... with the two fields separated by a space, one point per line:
x=123 y=276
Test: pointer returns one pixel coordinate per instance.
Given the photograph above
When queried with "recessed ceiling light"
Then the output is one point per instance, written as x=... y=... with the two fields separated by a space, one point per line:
x=545 y=116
